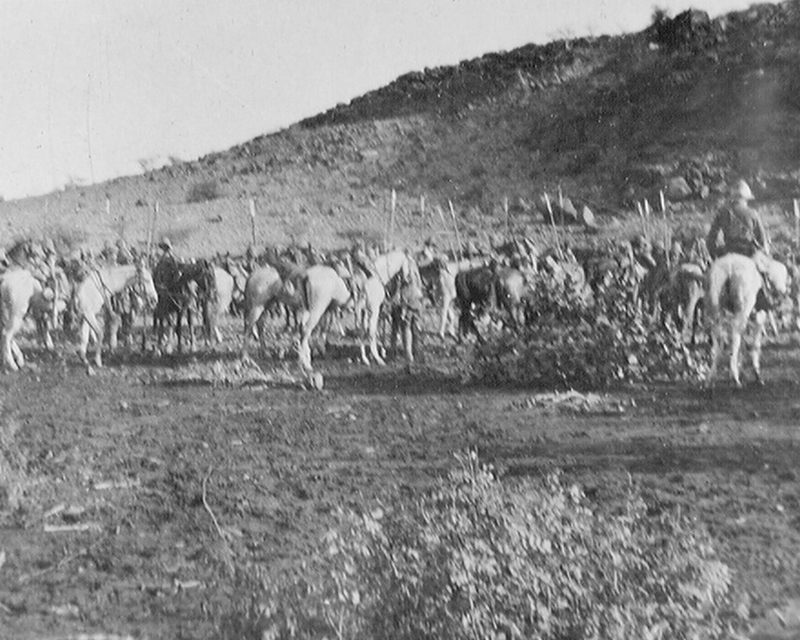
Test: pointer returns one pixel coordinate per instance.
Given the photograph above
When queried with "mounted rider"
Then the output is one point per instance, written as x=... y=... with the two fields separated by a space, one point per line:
x=738 y=228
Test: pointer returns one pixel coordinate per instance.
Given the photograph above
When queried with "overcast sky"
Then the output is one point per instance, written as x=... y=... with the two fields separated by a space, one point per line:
x=91 y=87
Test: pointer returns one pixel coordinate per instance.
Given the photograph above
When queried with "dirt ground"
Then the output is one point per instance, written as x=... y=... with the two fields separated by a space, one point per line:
x=121 y=484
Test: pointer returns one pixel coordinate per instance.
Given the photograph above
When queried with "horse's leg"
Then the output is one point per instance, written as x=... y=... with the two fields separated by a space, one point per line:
x=324 y=329
x=773 y=322
x=374 y=319
x=251 y=316
x=716 y=352
x=8 y=346
x=689 y=319
x=84 y=342
x=179 y=329
x=114 y=323
x=261 y=330
x=310 y=321
x=17 y=354
x=190 y=320
x=408 y=338
x=755 y=349
x=98 y=329
x=738 y=326
x=43 y=326
x=444 y=317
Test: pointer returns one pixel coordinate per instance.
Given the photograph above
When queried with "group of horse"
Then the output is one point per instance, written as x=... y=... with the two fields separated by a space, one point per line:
x=105 y=299
x=184 y=296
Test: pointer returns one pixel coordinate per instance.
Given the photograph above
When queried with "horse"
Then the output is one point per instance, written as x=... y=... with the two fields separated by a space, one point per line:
x=439 y=280
x=321 y=288
x=510 y=291
x=385 y=267
x=732 y=285
x=262 y=290
x=683 y=297
x=185 y=290
x=476 y=290
x=94 y=294
x=21 y=295
x=224 y=285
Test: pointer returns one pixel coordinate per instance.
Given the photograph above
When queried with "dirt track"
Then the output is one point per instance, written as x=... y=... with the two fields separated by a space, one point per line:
x=126 y=453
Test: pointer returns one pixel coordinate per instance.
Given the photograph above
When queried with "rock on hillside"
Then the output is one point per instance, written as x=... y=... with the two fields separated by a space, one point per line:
x=686 y=104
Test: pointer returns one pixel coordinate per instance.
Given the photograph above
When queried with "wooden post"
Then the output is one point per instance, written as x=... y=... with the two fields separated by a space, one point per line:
x=641 y=215
x=392 y=208
x=52 y=264
x=455 y=226
x=508 y=216
x=152 y=233
x=253 y=223
x=449 y=238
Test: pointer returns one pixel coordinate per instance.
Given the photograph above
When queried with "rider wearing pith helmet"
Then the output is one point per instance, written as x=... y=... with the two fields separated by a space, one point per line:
x=741 y=230
x=737 y=228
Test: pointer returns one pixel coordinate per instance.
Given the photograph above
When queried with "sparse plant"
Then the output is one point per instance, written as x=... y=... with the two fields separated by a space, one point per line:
x=571 y=340
x=477 y=557
x=659 y=16
x=203 y=191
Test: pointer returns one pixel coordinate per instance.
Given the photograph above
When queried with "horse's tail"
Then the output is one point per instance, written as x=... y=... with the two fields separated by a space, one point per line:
x=305 y=291
x=716 y=284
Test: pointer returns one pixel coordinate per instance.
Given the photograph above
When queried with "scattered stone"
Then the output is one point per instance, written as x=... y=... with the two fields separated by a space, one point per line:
x=678 y=189
x=574 y=402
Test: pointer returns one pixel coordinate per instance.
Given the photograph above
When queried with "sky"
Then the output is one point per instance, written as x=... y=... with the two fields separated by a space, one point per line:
x=93 y=89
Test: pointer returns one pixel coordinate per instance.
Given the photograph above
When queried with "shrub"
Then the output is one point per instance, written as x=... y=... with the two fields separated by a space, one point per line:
x=572 y=340
x=203 y=191
x=479 y=558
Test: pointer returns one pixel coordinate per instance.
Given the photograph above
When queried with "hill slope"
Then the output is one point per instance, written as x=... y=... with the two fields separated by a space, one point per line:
x=609 y=120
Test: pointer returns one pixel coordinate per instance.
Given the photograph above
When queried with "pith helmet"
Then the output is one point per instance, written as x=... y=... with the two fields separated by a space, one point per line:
x=742 y=191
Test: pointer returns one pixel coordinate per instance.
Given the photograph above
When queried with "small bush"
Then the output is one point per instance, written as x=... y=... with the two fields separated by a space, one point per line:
x=203 y=191
x=479 y=558
x=572 y=340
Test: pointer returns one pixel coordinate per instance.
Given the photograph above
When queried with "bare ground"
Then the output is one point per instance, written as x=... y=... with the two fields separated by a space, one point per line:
x=117 y=478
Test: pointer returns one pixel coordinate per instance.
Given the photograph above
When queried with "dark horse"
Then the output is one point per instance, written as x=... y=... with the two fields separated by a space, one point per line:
x=184 y=289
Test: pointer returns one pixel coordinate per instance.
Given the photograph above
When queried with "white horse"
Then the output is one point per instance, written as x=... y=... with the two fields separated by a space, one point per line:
x=321 y=288
x=94 y=294
x=385 y=267
x=731 y=287
x=21 y=295
x=263 y=288
x=224 y=285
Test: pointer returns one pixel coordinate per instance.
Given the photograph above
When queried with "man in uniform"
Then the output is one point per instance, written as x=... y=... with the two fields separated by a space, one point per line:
x=738 y=228
x=166 y=271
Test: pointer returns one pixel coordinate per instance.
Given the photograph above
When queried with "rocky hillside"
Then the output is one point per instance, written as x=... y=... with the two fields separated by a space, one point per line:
x=685 y=105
